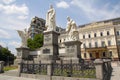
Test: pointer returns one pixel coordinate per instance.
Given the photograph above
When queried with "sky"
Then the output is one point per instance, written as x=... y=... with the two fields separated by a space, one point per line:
x=17 y=15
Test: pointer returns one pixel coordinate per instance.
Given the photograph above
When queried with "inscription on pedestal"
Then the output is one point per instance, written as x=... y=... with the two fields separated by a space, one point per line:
x=70 y=49
x=47 y=38
x=19 y=53
x=46 y=51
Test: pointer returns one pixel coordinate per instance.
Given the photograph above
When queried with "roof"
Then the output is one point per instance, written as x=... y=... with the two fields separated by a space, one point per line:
x=105 y=21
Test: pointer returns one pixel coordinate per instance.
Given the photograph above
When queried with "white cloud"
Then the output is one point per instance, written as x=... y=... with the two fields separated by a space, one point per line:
x=8 y=1
x=94 y=13
x=62 y=4
x=3 y=44
x=14 y=43
x=4 y=34
x=14 y=16
x=22 y=17
x=14 y=9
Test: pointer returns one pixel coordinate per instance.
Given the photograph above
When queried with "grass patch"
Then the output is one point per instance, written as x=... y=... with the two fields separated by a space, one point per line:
x=87 y=73
x=7 y=68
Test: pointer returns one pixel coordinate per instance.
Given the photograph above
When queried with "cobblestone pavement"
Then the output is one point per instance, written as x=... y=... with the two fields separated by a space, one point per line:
x=6 y=77
x=115 y=73
x=12 y=75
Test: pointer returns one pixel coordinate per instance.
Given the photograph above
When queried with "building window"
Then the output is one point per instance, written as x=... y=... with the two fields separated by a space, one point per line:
x=89 y=36
x=90 y=55
x=95 y=35
x=85 y=56
x=96 y=44
x=118 y=33
x=108 y=33
x=38 y=24
x=101 y=34
x=84 y=45
x=33 y=27
x=110 y=53
x=83 y=36
x=109 y=43
x=104 y=54
x=60 y=40
x=118 y=42
x=103 y=44
x=90 y=45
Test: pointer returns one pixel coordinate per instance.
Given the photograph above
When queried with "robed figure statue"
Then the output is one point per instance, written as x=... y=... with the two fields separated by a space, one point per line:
x=50 y=19
x=71 y=30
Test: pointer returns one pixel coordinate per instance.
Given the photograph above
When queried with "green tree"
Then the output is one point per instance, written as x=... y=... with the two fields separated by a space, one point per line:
x=6 y=55
x=36 y=42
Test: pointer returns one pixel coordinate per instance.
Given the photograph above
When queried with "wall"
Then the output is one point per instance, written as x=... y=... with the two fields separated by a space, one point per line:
x=46 y=77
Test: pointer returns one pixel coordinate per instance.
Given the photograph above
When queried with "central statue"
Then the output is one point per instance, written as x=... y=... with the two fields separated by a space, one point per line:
x=71 y=30
x=50 y=19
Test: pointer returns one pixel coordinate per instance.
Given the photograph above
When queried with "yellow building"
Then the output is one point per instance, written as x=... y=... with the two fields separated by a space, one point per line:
x=99 y=40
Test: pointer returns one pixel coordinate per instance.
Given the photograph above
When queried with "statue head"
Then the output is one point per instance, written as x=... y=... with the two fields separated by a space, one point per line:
x=68 y=18
x=51 y=6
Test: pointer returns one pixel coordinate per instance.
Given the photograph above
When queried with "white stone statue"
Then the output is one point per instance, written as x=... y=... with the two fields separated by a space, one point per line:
x=24 y=37
x=71 y=30
x=50 y=19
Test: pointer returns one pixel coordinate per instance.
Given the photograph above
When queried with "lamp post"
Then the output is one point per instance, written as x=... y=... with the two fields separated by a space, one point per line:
x=8 y=61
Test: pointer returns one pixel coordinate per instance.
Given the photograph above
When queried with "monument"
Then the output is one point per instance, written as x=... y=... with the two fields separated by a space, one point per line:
x=72 y=43
x=23 y=50
x=49 y=51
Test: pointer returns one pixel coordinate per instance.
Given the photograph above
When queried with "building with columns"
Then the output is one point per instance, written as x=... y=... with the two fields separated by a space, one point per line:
x=99 y=40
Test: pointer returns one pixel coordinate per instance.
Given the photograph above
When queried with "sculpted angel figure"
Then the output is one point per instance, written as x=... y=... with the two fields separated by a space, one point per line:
x=50 y=19
x=23 y=35
x=71 y=30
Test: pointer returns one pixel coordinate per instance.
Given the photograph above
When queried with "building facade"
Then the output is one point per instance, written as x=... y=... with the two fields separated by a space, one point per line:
x=99 y=40
x=37 y=26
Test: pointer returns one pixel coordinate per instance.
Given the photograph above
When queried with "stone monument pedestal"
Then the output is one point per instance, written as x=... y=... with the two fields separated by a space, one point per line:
x=1 y=66
x=22 y=53
x=50 y=48
x=72 y=51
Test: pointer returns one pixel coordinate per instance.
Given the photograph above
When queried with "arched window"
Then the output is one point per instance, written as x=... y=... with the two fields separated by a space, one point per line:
x=89 y=36
x=83 y=36
x=101 y=34
x=90 y=55
x=84 y=45
x=96 y=44
x=110 y=53
x=108 y=33
x=104 y=54
x=60 y=40
x=109 y=43
x=118 y=33
x=90 y=45
x=95 y=35
x=85 y=56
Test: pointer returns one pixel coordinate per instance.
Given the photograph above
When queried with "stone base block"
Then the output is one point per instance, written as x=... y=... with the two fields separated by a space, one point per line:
x=17 y=61
x=73 y=60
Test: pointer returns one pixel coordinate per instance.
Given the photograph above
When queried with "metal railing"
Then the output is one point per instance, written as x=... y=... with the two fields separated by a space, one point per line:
x=84 y=70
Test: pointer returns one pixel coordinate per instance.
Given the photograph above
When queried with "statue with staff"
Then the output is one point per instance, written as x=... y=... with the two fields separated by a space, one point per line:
x=50 y=19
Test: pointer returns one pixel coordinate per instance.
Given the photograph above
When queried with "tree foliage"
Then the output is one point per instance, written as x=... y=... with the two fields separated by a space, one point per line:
x=36 y=42
x=6 y=55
